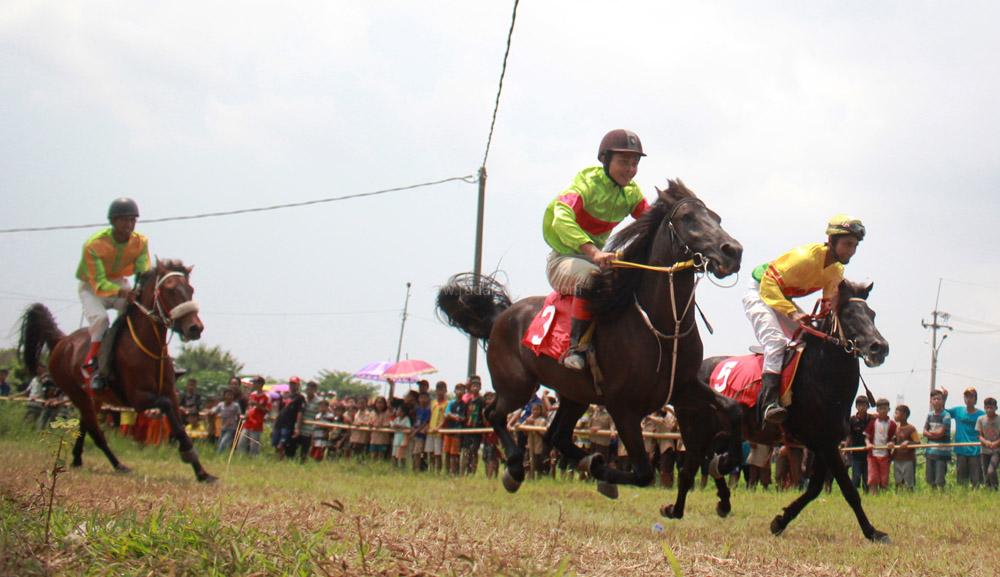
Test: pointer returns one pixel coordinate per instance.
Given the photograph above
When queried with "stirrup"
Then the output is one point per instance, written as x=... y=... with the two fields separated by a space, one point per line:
x=775 y=414
x=575 y=360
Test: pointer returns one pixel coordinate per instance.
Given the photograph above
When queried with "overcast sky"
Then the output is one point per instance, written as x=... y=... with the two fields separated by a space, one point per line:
x=777 y=114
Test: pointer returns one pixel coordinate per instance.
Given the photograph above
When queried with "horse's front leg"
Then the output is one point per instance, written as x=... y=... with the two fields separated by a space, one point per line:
x=692 y=459
x=629 y=434
x=188 y=453
x=832 y=458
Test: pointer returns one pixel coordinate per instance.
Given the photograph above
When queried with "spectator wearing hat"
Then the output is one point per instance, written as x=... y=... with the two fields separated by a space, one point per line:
x=878 y=435
x=967 y=459
x=937 y=431
x=988 y=427
x=856 y=438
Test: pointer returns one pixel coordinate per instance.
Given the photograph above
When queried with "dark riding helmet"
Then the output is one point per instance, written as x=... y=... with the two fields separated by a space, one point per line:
x=618 y=140
x=843 y=224
x=123 y=207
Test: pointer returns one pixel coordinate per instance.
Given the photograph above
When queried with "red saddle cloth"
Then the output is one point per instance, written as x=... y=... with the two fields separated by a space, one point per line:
x=548 y=333
x=739 y=378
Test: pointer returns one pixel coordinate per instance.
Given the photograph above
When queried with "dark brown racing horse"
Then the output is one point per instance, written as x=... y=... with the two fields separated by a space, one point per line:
x=823 y=394
x=144 y=372
x=646 y=341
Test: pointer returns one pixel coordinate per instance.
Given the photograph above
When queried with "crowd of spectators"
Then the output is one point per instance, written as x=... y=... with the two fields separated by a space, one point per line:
x=446 y=432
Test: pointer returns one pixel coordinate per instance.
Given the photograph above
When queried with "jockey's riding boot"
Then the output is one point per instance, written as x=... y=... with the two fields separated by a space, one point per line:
x=770 y=408
x=575 y=358
x=90 y=361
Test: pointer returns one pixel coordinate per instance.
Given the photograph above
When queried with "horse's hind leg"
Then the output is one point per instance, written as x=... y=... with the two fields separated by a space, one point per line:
x=831 y=458
x=724 y=506
x=513 y=476
x=813 y=490
x=560 y=433
x=89 y=424
x=629 y=434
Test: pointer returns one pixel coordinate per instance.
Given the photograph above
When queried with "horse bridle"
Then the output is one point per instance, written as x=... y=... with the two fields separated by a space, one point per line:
x=700 y=262
x=168 y=318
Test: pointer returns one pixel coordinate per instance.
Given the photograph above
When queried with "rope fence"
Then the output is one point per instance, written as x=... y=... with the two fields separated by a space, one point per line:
x=537 y=429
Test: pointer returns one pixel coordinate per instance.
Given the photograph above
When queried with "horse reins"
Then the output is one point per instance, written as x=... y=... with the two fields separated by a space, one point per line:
x=157 y=316
x=840 y=340
x=696 y=262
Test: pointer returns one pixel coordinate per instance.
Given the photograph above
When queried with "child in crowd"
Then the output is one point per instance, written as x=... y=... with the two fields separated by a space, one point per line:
x=988 y=427
x=337 y=441
x=903 y=458
x=454 y=418
x=258 y=406
x=229 y=413
x=434 y=445
x=536 y=446
x=381 y=440
x=320 y=435
x=361 y=435
x=401 y=425
x=937 y=430
x=878 y=434
x=491 y=449
x=421 y=419
x=193 y=428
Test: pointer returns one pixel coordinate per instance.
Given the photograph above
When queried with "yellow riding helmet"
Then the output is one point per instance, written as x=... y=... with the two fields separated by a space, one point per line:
x=843 y=224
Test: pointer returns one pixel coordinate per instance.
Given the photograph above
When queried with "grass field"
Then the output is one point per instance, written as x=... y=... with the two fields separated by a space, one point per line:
x=270 y=518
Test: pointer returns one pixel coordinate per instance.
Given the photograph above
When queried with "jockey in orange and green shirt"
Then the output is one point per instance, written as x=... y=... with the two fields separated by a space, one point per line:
x=797 y=273
x=579 y=221
x=109 y=258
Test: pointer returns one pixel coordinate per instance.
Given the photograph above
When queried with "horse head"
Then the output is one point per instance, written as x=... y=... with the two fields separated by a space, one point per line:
x=857 y=321
x=696 y=230
x=167 y=292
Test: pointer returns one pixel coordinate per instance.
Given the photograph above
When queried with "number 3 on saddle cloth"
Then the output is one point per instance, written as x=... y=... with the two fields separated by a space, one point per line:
x=549 y=332
x=740 y=377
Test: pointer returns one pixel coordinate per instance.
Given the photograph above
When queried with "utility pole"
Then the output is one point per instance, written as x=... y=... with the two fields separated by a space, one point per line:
x=477 y=268
x=934 y=326
x=402 y=325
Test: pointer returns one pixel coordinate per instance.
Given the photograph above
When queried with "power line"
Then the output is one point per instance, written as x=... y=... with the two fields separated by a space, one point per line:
x=471 y=179
x=503 y=72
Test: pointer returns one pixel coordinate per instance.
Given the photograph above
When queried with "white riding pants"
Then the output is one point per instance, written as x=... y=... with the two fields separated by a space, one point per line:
x=773 y=329
x=95 y=308
x=566 y=272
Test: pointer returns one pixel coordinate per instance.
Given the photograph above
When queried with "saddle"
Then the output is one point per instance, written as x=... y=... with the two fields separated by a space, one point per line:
x=739 y=377
x=549 y=334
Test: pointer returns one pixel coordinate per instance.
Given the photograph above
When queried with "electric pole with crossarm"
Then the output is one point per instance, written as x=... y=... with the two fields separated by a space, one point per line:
x=934 y=325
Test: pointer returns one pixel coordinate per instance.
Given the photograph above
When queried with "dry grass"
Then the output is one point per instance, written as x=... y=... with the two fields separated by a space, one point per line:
x=271 y=518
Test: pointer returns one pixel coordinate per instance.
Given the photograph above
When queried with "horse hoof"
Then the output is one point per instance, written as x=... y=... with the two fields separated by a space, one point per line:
x=723 y=509
x=206 y=478
x=668 y=512
x=609 y=490
x=123 y=470
x=777 y=526
x=76 y=464
x=880 y=537
x=510 y=483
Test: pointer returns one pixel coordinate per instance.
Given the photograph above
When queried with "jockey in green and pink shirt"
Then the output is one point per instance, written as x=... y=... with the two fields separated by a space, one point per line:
x=579 y=221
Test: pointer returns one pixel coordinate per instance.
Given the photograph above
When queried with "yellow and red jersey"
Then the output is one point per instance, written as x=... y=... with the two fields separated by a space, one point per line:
x=799 y=272
x=105 y=259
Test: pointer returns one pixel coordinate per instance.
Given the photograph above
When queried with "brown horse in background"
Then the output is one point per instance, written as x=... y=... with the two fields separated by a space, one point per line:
x=143 y=370
x=636 y=330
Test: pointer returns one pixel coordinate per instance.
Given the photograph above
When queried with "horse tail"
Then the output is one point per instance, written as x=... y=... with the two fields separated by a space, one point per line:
x=38 y=330
x=471 y=302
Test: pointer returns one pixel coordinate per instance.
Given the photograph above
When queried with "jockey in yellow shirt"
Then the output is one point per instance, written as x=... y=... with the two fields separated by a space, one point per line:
x=797 y=273
x=109 y=258
x=579 y=221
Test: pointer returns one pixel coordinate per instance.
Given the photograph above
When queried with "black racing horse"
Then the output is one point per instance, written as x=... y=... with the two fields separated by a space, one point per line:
x=823 y=394
x=646 y=341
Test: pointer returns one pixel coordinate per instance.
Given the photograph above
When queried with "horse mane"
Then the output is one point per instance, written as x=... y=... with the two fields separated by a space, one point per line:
x=613 y=289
